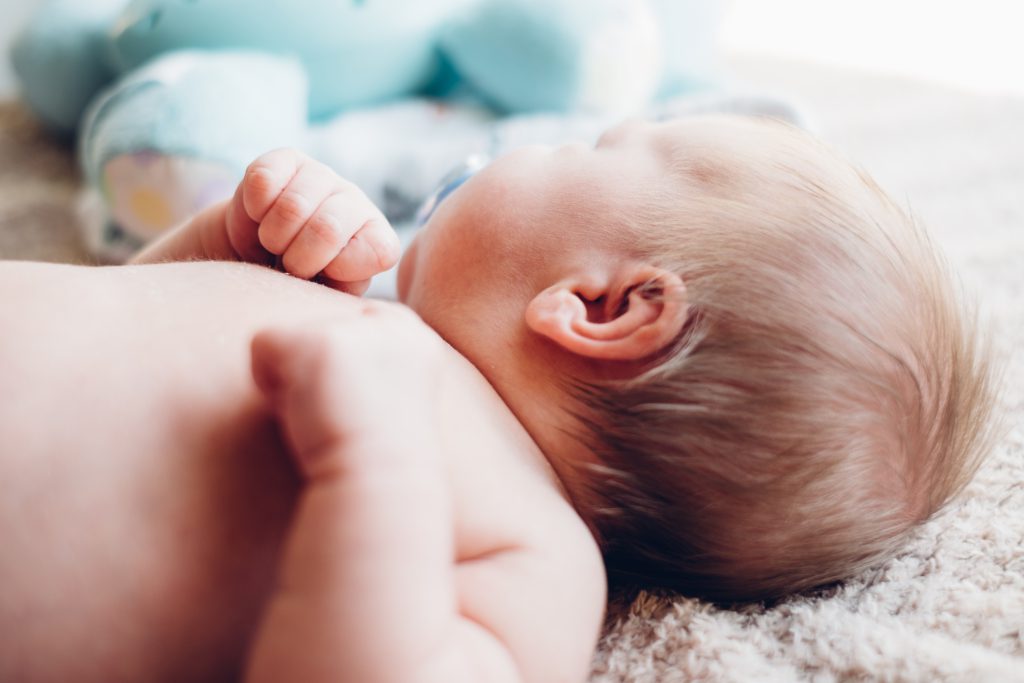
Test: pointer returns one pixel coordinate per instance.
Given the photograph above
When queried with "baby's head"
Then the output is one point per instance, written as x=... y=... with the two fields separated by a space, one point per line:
x=750 y=369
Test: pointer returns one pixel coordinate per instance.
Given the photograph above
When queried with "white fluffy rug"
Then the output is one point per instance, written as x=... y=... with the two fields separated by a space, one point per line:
x=951 y=606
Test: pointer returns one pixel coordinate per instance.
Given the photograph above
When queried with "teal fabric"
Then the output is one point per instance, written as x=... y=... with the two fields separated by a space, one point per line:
x=354 y=51
x=225 y=80
x=518 y=55
x=61 y=58
x=523 y=55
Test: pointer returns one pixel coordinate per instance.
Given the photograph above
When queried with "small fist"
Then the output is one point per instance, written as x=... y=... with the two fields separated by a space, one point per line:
x=297 y=211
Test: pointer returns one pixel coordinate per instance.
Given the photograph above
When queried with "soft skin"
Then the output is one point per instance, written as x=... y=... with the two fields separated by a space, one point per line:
x=158 y=532
x=533 y=270
x=155 y=504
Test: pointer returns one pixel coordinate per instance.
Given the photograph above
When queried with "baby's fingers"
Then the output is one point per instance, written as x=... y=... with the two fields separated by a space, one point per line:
x=242 y=232
x=297 y=205
x=327 y=232
x=266 y=178
x=373 y=249
x=354 y=288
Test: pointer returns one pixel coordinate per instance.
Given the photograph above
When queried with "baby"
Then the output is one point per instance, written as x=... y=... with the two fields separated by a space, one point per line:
x=705 y=355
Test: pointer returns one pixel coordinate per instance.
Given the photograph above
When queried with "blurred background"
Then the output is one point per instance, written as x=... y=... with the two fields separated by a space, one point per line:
x=902 y=87
x=973 y=45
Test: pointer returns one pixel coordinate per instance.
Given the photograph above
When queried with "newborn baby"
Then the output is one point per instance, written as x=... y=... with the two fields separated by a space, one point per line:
x=705 y=355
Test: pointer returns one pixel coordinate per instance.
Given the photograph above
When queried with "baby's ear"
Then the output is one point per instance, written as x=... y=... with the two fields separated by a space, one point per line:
x=625 y=315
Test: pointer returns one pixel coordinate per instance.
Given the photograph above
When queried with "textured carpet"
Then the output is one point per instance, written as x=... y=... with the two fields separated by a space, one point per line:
x=951 y=605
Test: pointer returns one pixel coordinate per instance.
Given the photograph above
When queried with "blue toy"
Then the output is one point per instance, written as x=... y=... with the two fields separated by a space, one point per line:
x=184 y=93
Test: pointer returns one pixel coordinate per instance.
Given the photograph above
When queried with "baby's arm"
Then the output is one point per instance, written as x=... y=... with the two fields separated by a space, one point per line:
x=369 y=589
x=294 y=211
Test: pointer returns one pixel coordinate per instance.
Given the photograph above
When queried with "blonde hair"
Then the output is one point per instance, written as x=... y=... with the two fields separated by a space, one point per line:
x=829 y=392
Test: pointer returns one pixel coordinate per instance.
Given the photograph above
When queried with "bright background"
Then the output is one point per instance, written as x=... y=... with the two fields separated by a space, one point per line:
x=973 y=44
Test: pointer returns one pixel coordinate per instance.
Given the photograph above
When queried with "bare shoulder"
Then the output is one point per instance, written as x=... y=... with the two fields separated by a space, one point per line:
x=542 y=600
x=529 y=572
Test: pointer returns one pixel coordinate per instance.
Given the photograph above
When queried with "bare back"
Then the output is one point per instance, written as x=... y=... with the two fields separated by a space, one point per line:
x=146 y=490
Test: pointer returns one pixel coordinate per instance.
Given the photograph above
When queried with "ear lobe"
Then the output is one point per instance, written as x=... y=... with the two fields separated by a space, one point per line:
x=642 y=312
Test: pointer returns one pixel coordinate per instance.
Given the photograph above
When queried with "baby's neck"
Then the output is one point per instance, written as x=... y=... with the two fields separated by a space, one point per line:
x=465 y=391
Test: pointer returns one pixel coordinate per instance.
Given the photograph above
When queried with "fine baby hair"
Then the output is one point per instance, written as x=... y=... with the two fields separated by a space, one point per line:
x=829 y=391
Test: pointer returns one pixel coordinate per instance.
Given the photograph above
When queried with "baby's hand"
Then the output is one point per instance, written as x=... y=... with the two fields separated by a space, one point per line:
x=316 y=223
x=366 y=382
x=371 y=587
x=366 y=588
